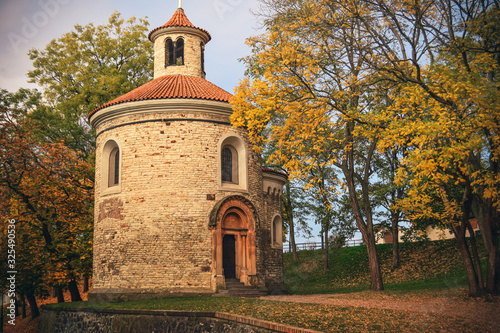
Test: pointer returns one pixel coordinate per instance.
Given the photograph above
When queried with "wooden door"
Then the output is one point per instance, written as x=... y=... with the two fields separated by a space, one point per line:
x=229 y=256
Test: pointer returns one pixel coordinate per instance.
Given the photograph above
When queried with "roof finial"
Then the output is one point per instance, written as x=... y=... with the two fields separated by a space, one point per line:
x=180 y=3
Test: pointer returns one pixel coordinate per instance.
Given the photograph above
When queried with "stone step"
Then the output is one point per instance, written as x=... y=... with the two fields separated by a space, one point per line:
x=236 y=288
x=245 y=294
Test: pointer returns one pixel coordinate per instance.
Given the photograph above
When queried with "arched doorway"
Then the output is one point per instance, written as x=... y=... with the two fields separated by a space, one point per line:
x=233 y=237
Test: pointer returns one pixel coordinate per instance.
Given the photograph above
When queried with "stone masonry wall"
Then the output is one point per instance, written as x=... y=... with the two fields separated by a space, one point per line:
x=274 y=256
x=154 y=233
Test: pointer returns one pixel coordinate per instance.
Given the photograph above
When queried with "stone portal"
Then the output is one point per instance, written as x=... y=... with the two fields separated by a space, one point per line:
x=234 y=240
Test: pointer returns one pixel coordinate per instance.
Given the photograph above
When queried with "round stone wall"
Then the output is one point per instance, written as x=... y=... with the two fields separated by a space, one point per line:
x=194 y=45
x=152 y=229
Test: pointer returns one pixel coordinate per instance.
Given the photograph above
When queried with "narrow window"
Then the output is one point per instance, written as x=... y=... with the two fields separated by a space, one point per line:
x=277 y=232
x=227 y=165
x=116 y=179
x=169 y=52
x=274 y=232
x=114 y=167
x=202 y=48
x=179 y=52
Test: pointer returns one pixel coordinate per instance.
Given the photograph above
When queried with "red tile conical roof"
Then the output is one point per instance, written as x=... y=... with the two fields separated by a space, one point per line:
x=172 y=86
x=179 y=19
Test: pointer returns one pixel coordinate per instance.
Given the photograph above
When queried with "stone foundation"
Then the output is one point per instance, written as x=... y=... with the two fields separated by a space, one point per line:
x=104 y=295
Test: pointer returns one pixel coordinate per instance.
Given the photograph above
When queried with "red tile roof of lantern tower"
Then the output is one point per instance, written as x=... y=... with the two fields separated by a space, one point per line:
x=179 y=19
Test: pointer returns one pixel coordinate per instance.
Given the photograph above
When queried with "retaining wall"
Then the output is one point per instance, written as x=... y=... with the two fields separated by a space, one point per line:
x=139 y=321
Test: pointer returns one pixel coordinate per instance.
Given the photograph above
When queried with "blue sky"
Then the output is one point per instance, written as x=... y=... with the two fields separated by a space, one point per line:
x=27 y=24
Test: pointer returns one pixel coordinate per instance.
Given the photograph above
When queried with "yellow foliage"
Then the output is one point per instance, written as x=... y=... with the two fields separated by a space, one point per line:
x=311 y=94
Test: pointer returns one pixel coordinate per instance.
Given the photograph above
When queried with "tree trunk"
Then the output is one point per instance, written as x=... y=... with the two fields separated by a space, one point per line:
x=292 y=241
x=23 y=307
x=493 y=273
x=85 y=284
x=291 y=223
x=59 y=294
x=373 y=262
x=395 y=240
x=73 y=290
x=475 y=255
x=490 y=237
x=474 y=289
x=1 y=314
x=18 y=305
x=33 y=306
x=326 y=249
x=366 y=229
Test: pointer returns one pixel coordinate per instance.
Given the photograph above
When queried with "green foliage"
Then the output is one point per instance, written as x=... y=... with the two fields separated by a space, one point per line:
x=86 y=68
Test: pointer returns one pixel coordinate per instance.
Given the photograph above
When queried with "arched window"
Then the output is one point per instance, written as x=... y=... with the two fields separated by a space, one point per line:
x=179 y=52
x=233 y=163
x=229 y=161
x=111 y=167
x=202 y=48
x=277 y=232
x=169 y=52
x=114 y=168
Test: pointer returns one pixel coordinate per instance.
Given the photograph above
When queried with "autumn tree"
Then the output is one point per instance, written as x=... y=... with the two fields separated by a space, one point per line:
x=417 y=75
x=322 y=199
x=444 y=56
x=324 y=202
x=31 y=262
x=308 y=69
x=296 y=208
x=48 y=189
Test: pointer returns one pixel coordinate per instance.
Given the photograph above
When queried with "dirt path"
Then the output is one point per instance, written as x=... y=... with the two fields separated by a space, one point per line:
x=470 y=310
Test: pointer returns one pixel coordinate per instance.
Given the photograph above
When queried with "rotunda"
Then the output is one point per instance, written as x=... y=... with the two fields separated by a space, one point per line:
x=182 y=203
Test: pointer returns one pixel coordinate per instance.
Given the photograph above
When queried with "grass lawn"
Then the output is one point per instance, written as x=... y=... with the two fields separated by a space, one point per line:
x=320 y=317
x=428 y=271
